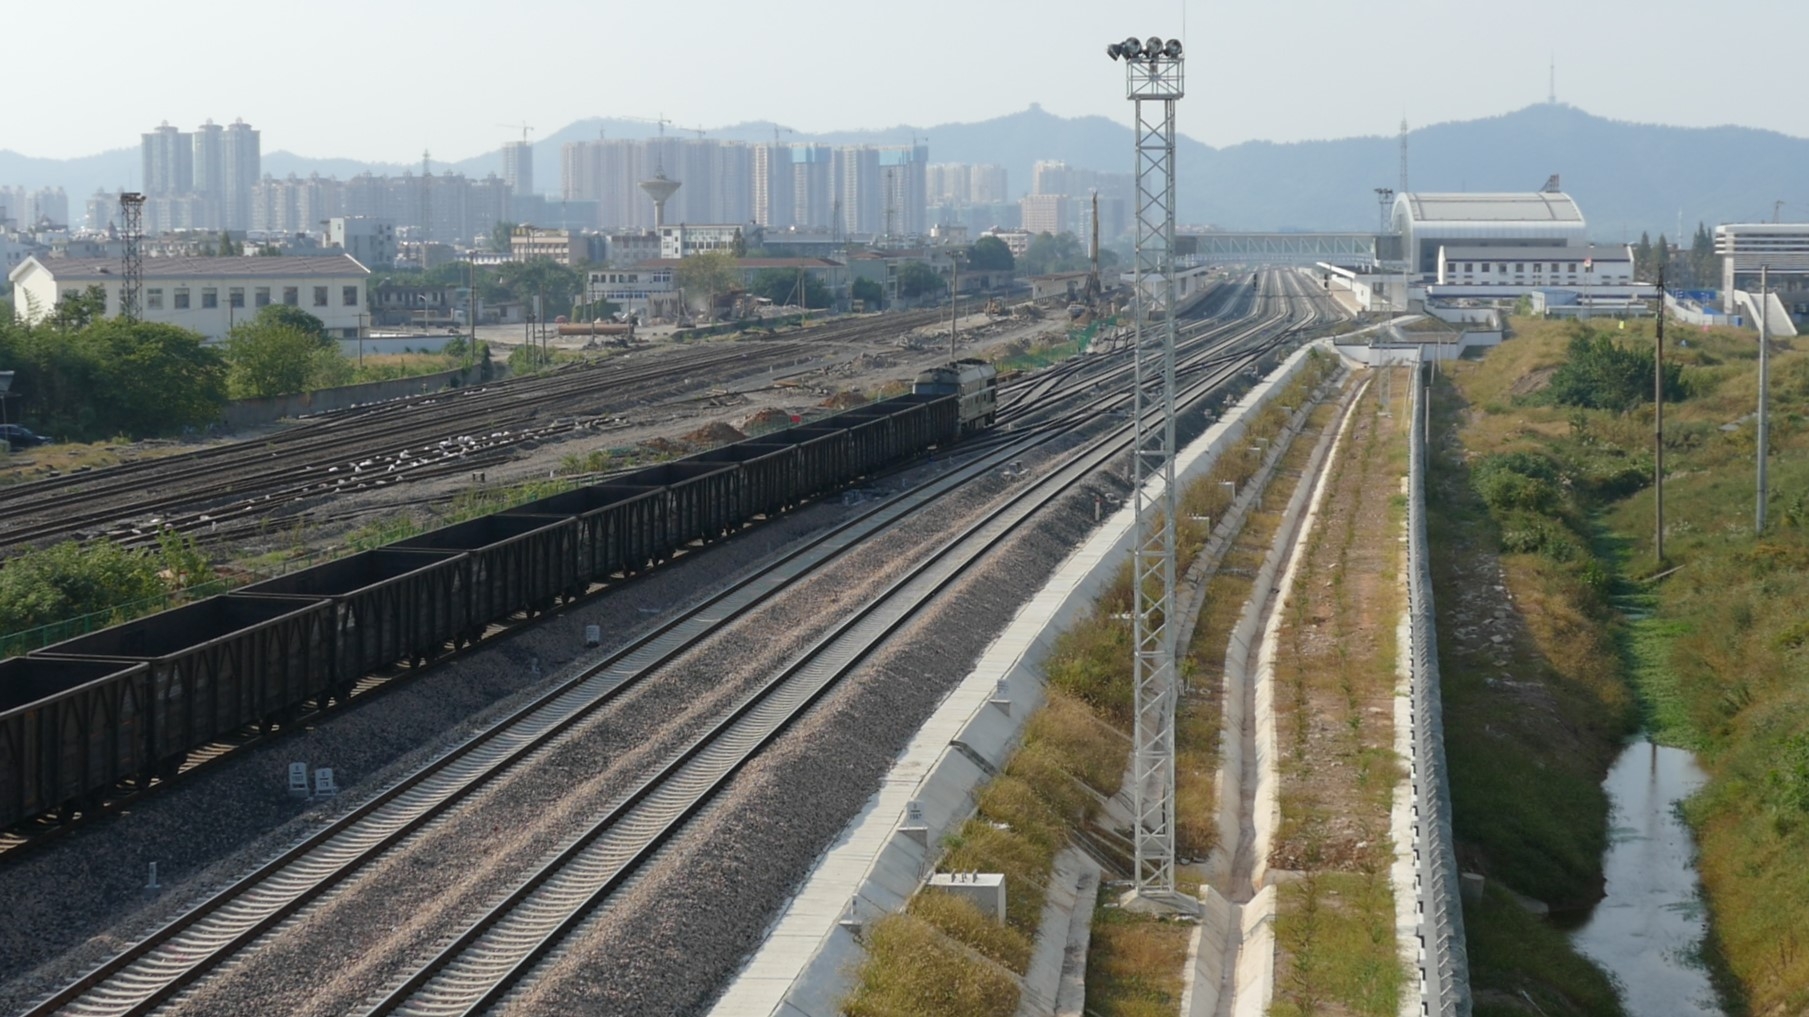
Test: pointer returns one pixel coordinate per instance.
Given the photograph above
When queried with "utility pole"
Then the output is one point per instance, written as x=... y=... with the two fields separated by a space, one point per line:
x=1658 y=427
x=1764 y=392
x=954 y=305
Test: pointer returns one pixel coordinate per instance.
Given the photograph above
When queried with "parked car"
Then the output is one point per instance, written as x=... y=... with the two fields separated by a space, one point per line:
x=19 y=437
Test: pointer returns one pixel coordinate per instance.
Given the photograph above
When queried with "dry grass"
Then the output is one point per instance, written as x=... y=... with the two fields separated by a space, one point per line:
x=960 y=919
x=1134 y=965
x=915 y=969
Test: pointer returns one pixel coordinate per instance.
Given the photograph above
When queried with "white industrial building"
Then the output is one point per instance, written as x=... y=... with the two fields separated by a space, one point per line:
x=646 y=292
x=1428 y=222
x=1535 y=267
x=683 y=241
x=207 y=295
x=371 y=241
x=1782 y=248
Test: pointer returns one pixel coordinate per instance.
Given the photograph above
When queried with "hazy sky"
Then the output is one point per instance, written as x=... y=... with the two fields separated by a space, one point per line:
x=382 y=79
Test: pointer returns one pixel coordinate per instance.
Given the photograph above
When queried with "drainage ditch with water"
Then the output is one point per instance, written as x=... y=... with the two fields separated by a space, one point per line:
x=1648 y=930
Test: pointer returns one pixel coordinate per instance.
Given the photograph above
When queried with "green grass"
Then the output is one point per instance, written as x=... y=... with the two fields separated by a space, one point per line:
x=1711 y=644
x=1339 y=958
x=1515 y=956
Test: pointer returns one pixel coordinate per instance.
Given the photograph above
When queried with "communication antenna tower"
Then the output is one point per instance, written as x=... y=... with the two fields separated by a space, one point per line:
x=426 y=204
x=1403 y=188
x=131 y=222
x=891 y=203
x=1551 y=94
x=1153 y=83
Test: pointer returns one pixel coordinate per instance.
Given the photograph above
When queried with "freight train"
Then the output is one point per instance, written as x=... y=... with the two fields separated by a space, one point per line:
x=111 y=710
x=974 y=382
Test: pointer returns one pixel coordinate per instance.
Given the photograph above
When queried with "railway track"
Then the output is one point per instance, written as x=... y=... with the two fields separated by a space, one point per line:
x=157 y=968
x=472 y=427
x=363 y=448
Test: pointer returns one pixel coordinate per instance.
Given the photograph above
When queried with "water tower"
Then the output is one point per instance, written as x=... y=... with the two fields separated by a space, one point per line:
x=659 y=189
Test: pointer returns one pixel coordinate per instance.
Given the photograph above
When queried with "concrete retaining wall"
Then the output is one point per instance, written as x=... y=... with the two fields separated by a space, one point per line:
x=804 y=968
x=245 y=413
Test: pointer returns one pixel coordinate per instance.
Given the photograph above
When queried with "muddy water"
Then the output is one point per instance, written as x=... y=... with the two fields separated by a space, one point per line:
x=1648 y=930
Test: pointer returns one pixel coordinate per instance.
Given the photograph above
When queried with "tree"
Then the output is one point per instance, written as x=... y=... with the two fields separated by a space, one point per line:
x=780 y=285
x=288 y=316
x=916 y=279
x=556 y=285
x=1642 y=259
x=869 y=293
x=79 y=310
x=499 y=236
x=270 y=359
x=71 y=579
x=990 y=255
x=1704 y=264
x=1056 y=253
x=111 y=377
x=711 y=274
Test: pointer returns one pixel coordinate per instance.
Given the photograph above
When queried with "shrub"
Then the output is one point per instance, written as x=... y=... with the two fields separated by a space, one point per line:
x=1600 y=374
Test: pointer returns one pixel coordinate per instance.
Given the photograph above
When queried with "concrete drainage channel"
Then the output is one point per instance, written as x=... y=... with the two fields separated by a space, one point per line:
x=1231 y=959
x=885 y=855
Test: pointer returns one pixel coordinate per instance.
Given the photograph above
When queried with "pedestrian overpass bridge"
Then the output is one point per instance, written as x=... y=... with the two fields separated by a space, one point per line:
x=1355 y=250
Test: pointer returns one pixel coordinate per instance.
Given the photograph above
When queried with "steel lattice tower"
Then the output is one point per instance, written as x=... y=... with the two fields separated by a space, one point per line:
x=131 y=223
x=1153 y=82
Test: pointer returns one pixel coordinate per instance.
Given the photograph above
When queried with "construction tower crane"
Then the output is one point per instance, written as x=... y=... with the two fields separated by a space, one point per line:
x=661 y=120
x=525 y=128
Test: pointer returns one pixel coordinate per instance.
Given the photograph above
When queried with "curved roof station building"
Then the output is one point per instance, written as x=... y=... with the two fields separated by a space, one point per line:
x=1427 y=222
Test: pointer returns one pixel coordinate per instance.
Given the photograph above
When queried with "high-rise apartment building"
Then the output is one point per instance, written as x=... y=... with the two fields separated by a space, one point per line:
x=1045 y=213
x=443 y=207
x=958 y=184
x=25 y=208
x=987 y=185
x=241 y=166
x=201 y=180
x=814 y=201
x=169 y=162
x=518 y=168
x=210 y=161
x=857 y=189
x=775 y=195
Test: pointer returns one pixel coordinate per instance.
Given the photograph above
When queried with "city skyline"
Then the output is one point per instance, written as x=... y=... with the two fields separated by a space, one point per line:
x=1329 y=79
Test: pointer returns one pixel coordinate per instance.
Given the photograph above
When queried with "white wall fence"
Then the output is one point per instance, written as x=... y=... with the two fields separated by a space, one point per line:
x=1444 y=966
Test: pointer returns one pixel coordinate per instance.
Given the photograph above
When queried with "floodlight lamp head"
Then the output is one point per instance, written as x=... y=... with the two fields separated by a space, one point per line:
x=1114 y=50
x=1153 y=48
x=1173 y=49
x=1131 y=48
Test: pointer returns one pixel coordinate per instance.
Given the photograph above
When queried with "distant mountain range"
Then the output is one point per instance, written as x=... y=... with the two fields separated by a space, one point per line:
x=1627 y=177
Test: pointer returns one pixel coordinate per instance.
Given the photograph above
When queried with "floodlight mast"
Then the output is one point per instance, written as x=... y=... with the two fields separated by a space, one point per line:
x=1154 y=81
